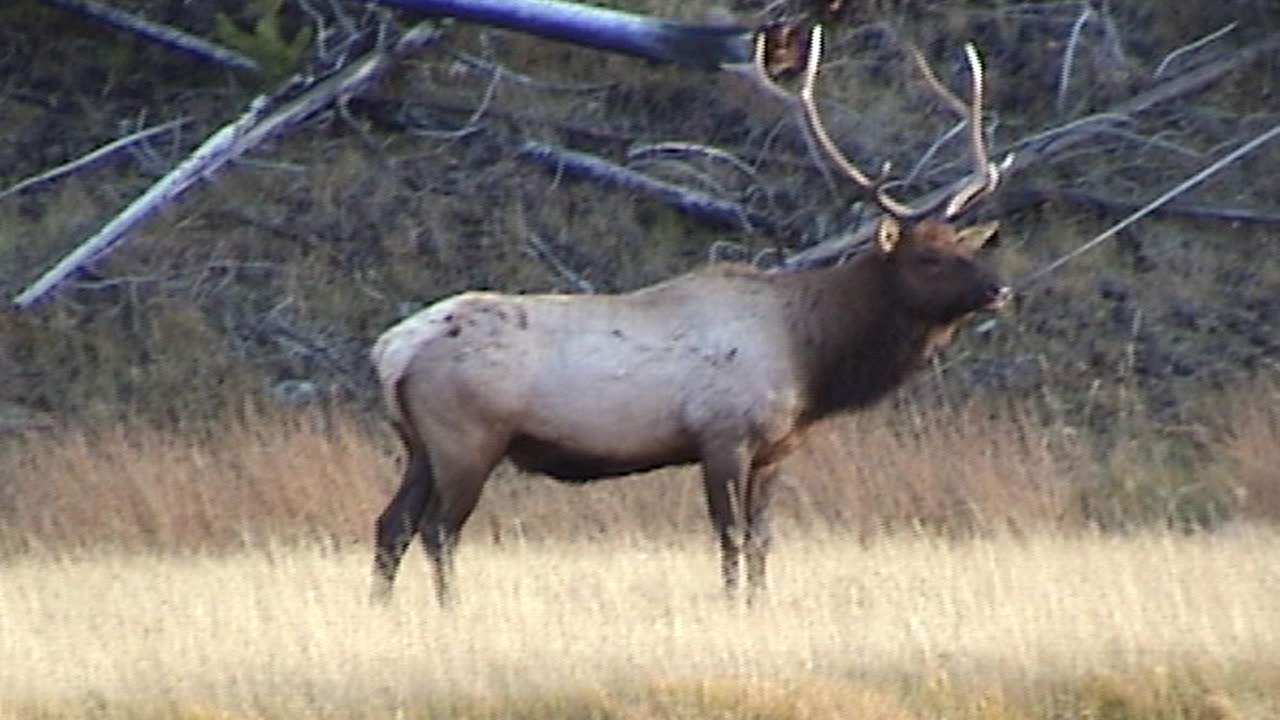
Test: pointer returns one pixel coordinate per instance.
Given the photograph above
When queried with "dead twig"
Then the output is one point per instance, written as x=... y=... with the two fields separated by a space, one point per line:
x=678 y=170
x=472 y=122
x=683 y=148
x=92 y=157
x=543 y=252
x=1069 y=58
x=1031 y=196
x=1191 y=47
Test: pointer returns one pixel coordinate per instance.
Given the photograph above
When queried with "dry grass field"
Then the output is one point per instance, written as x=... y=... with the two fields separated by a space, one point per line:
x=936 y=564
x=1147 y=625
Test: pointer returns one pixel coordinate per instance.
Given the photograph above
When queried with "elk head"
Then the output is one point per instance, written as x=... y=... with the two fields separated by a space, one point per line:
x=935 y=275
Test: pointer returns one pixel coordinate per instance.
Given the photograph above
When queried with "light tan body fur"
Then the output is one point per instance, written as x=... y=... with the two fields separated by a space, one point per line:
x=631 y=380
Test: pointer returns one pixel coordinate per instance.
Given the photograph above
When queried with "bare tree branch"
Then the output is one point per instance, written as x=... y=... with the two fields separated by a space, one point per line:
x=1045 y=146
x=600 y=170
x=92 y=157
x=163 y=34
x=543 y=252
x=683 y=148
x=1191 y=47
x=1069 y=58
x=225 y=145
x=1150 y=207
x=1026 y=197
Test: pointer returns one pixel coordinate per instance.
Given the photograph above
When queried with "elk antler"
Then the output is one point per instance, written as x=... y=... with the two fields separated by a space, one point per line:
x=986 y=173
x=813 y=120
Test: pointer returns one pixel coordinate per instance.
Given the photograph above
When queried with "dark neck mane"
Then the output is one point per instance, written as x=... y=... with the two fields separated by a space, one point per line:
x=855 y=346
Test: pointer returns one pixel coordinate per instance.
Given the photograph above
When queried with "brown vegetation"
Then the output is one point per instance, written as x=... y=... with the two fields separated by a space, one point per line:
x=978 y=470
x=1250 y=452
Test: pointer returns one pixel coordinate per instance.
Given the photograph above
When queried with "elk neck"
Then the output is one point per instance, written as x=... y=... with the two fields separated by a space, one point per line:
x=852 y=340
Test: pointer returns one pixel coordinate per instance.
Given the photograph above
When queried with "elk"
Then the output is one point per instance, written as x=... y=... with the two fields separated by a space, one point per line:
x=726 y=366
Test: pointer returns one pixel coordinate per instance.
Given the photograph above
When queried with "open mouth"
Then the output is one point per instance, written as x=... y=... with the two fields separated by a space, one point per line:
x=1002 y=298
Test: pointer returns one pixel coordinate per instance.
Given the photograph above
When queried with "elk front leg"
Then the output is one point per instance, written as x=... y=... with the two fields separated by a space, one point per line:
x=723 y=472
x=760 y=487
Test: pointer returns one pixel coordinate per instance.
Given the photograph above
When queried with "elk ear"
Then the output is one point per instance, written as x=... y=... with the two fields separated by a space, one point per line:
x=971 y=239
x=888 y=232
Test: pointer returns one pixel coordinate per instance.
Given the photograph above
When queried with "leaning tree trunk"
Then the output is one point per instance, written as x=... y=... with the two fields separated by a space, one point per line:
x=706 y=46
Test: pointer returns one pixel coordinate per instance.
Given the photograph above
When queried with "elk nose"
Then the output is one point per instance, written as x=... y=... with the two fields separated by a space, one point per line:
x=1000 y=296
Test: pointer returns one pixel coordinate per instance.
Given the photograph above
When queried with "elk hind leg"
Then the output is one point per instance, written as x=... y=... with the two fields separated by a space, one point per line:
x=459 y=482
x=394 y=528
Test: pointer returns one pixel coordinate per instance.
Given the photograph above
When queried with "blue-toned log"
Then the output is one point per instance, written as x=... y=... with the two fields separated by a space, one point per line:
x=706 y=46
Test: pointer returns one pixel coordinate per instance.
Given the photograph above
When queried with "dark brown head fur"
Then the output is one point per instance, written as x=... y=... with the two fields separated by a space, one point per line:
x=864 y=326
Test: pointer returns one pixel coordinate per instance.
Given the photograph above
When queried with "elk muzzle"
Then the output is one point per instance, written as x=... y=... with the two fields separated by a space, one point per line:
x=1001 y=296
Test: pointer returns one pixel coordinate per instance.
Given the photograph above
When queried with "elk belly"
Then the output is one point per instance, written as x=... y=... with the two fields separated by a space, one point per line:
x=572 y=464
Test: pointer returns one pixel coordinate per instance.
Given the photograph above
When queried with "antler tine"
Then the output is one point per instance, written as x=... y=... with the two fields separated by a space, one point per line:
x=986 y=174
x=942 y=90
x=814 y=121
x=760 y=63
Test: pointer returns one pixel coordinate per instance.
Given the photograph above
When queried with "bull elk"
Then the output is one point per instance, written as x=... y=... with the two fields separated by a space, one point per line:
x=726 y=366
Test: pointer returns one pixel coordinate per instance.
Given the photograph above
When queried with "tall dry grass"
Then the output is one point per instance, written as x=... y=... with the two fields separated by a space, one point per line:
x=195 y=573
x=975 y=470
x=290 y=477
x=1251 y=451
x=283 y=477
x=960 y=472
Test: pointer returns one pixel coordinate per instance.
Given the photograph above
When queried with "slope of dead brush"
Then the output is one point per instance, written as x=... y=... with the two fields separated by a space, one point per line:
x=285 y=267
